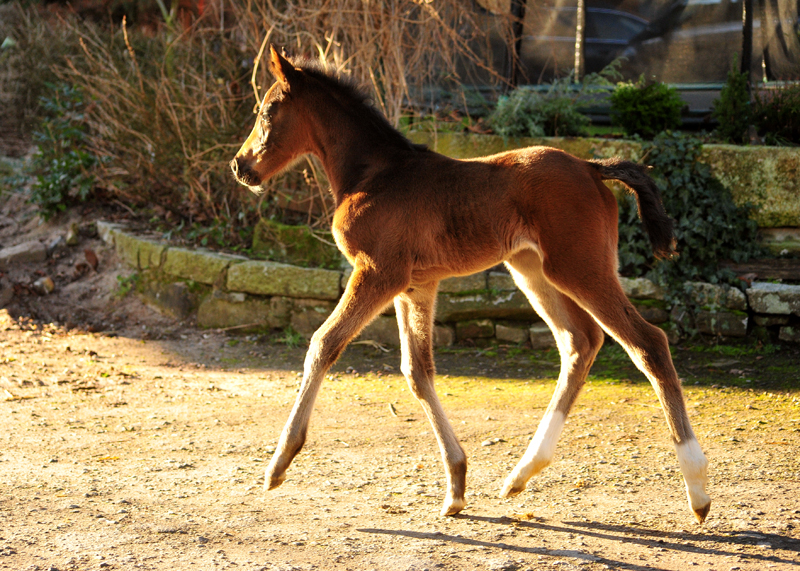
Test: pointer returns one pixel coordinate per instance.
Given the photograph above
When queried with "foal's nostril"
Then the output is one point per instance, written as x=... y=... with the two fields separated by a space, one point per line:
x=243 y=173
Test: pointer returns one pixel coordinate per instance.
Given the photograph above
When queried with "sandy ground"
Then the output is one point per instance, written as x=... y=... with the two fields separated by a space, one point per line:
x=130 y=441
x=126 y=453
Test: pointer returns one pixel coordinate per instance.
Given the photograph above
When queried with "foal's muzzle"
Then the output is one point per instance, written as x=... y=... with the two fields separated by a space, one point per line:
x=243 y=173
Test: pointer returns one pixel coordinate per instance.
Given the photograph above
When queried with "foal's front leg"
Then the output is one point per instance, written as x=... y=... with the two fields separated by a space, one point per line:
x=367 y=293
x=415 y=319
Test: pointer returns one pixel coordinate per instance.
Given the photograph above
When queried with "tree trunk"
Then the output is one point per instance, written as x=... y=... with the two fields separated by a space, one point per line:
x=580 y=38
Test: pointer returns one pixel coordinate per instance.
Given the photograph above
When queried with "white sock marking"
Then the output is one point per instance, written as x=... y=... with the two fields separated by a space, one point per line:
x=694 y=466
x=542 y=448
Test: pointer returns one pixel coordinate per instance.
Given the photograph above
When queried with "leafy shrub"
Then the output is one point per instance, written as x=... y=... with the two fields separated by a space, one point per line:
x=732 y=110
x=646 y=109
x=62 y=166
x=777 y=115
x=531 y=113
x=31 y=47
x=709 y=226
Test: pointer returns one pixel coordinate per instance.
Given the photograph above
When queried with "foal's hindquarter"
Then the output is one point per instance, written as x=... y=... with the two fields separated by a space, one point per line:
x=549 y=217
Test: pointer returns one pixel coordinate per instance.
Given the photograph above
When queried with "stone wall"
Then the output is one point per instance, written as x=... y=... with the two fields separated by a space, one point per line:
x=235 y=293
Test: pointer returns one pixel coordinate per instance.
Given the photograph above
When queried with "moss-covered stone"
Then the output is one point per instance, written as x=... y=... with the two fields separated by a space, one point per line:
x=541 y=337
x=274 y=278
x=780 y=299
x=198 y=265
x=641 y=288
x=474 y=329
x=127 y=248
x=174 y=299
x=766 y=176
x=482 y=305
x=463 y=284
x=789 y=334
x=512 y=332
x=770 y=320
x=712 y=297
x=443 y=336
x=653 y=313
x=151 y=254
x=31 y=251
x=672 y=331
x=383 y=330
x=296 y=245
x=309 y=314
x=725 y=324
x=107 y=231
x=140 y=253
x=280 y=311
x=650 y=303
x=221 y=310
x=780 y=241
x=498 y=281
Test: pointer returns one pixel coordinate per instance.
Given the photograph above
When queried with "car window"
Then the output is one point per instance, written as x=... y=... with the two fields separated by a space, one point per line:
x=611 y=26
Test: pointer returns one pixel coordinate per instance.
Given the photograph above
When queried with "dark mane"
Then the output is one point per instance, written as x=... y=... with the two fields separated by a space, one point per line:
x=359 y=103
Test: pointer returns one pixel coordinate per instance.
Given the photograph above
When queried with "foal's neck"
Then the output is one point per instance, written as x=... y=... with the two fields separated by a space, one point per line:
x=349 y=145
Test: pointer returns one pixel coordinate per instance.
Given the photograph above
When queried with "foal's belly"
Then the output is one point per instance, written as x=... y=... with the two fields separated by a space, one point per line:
x=466 y=264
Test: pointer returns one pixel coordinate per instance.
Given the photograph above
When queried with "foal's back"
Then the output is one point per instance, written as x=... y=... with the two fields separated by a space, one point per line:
x=450 y=216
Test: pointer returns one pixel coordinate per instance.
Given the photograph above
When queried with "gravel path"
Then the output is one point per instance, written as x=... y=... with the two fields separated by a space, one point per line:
x=119 y=452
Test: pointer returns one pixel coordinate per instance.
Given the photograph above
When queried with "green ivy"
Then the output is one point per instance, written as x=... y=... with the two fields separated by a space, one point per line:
x=709 y=226
x=62 y=165
x=646 y=109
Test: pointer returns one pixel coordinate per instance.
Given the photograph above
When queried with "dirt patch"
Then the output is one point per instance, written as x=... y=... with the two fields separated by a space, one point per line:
x=125 y=453
x=132 y=441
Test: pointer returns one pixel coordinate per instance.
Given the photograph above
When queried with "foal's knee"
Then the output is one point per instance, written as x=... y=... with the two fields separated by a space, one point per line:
x=595 y=337
x=418 y=369
x=655 y=348
x=322 y=351
x=584 y=346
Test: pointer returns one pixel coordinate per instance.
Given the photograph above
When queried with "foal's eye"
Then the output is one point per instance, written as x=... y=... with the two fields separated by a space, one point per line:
x=269 y=109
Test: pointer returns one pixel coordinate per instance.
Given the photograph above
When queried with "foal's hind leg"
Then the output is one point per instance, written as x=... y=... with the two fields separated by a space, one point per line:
x=415 y=319
x=578 y=337
x=367 y=293
x=596 y=288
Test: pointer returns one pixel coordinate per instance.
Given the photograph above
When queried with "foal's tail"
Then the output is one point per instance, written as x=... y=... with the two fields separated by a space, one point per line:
x=657 y=223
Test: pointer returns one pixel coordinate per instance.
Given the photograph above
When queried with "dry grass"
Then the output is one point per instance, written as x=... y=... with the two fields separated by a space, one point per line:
x=398 y=48
x=167 y=112
x=164 y=117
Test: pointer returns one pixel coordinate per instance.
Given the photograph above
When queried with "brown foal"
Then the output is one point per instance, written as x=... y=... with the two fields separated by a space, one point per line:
x=407 y=217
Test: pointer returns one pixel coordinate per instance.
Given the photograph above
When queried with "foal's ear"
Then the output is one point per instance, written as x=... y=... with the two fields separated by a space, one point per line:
x=283 y=71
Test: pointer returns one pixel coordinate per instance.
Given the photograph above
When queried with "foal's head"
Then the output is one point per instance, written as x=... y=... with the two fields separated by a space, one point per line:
x=280 y=134
x=311 y=109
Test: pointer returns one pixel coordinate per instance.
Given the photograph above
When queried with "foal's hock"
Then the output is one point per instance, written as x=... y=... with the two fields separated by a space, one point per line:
x=407 y=217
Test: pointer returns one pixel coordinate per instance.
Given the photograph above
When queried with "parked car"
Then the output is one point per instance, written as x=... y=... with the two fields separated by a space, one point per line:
x=548 y=46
